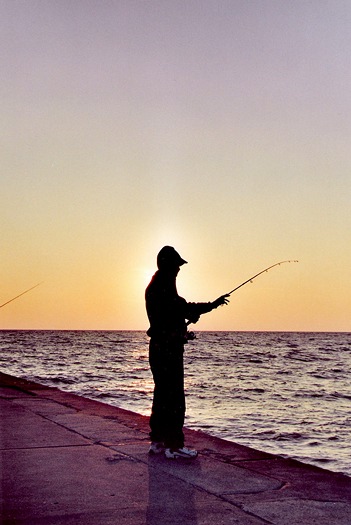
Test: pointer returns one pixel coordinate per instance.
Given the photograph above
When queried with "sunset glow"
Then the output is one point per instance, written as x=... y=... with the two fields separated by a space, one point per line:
x=220 y=128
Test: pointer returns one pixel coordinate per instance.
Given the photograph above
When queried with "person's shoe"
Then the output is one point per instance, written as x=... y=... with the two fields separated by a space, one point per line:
x=184 y=452
x=156 y=447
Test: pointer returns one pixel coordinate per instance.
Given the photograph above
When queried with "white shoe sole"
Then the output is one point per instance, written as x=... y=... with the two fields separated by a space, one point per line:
x=175 y=454
x=156 y=449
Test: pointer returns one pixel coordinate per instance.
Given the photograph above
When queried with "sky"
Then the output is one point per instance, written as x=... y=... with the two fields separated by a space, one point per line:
x=221 y=128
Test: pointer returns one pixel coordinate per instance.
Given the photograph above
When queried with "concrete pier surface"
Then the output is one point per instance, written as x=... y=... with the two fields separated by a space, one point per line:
x=70 y=460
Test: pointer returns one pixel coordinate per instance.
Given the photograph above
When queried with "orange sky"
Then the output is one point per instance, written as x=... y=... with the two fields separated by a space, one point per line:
x=222 y=129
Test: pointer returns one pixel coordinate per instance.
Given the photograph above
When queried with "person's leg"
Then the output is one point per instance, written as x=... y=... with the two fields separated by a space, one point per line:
x=175 y=401
x=158 y=410
x=174 y=436
x=168 y=407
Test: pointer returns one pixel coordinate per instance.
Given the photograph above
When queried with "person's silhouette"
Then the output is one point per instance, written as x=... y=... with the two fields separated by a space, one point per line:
x=168 y=314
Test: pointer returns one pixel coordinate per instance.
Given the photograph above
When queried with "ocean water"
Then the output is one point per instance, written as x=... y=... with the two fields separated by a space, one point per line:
x=279 y=392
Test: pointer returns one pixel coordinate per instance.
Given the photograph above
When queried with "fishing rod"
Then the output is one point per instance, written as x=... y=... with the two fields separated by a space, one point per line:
x=259 y=273
x=192 y=335
x=17 y=296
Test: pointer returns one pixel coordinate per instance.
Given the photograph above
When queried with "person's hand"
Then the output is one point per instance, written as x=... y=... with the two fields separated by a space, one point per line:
x=223 y=299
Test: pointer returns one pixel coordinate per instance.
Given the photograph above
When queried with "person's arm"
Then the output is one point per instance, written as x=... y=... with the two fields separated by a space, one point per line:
x=194 y=310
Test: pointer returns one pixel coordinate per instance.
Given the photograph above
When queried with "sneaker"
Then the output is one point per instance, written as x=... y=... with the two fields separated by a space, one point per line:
x=156 y=447
x=180 y=453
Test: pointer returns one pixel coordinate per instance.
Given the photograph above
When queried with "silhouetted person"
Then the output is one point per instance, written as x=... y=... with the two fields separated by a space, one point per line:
x=168 y=313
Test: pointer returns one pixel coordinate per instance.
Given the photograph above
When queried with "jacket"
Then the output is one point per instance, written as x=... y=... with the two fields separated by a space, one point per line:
x=167 y=311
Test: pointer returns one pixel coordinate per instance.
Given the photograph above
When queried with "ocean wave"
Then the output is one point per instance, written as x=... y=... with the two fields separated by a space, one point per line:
x=339 y=395
x=289 y=436
x=54 y=380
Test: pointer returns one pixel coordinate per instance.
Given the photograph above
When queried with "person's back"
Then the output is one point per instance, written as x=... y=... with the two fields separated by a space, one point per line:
x=166 y=310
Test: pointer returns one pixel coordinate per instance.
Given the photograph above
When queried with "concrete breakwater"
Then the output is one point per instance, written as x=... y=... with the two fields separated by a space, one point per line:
x=71 y=460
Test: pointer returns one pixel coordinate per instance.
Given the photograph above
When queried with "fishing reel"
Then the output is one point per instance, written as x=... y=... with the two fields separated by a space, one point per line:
x=190 y=336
